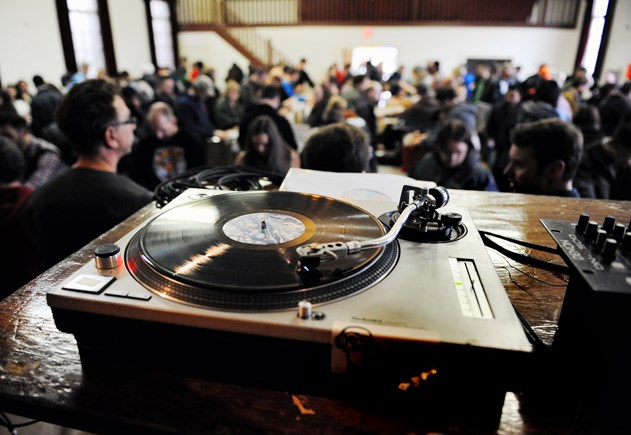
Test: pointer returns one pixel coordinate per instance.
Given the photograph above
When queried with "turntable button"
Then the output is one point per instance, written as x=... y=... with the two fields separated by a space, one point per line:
x=94 y=284
x=116 y=293
x=318 y=315
x=139 y=297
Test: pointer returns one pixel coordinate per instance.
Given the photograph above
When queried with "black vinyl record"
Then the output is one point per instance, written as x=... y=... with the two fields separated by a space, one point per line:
x=246 y=242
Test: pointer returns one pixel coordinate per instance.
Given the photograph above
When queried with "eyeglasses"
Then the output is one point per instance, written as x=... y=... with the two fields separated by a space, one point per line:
x=131 y=120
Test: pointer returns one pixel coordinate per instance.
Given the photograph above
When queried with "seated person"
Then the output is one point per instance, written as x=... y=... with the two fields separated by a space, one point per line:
x=265 y=148
x=454 y=162
x=43 y=159
x=84 y=202
x=228 y=108
x=544 y=157
x=543 y=105
x=19 y=262
x=167 y=152
x=338 y=148
x=605 y=169
x=321 y=95
x=192 y=111
x=268 y=104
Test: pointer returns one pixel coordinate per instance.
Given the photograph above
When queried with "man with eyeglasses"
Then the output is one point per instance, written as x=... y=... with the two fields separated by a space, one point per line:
x=90 y=198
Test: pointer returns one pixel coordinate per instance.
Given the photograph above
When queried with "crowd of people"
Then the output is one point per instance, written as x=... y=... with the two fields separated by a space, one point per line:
x=75 y=160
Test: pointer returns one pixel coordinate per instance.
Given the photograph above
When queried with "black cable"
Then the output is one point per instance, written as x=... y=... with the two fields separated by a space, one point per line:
x=534 y=278
x=11 y=427
x=524 y=259
x=234 y=177
x=523 y=243
x=531 y=334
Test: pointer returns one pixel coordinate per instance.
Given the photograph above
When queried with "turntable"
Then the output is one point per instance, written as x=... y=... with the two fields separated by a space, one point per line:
x=295 y=287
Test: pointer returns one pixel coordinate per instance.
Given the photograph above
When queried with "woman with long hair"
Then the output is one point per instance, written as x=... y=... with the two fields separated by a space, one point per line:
x=265 y=148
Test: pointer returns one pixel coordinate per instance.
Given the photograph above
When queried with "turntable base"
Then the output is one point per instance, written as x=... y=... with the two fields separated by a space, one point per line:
x=431 y=330
x=454 y=392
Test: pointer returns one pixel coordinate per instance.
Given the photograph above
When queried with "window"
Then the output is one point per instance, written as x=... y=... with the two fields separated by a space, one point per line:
x=86 y=34
x=162 y=33
x=597 y=26
x=386 y=56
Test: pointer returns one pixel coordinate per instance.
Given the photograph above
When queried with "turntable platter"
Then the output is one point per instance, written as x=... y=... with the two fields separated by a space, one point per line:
x=238 y=250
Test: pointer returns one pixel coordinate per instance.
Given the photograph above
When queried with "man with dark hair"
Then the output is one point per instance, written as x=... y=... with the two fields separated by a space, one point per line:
x=251 y=89
x=502 y=120
x=304 y=76
x=605 y=170
x=544 y=157
x=43 y=159
x=450 y=107
x=89 y=199
x=268 y=104
x=614 y=107
x=542 y=105
x=337 y=148
x=43 y=105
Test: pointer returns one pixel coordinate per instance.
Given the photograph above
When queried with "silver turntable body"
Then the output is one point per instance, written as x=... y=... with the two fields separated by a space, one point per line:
x=440 y=293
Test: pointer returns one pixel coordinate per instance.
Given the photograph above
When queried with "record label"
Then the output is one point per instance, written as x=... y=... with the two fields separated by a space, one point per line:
x=264 y=228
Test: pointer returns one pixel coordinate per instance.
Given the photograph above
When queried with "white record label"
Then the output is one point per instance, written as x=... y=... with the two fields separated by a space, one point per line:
x=264 y=228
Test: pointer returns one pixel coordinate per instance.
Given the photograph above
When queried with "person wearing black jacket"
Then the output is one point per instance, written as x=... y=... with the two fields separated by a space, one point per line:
x=268 y=105
x=454 y=162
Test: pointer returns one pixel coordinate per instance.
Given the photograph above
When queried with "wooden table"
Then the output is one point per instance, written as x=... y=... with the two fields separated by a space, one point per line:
x=41 y=375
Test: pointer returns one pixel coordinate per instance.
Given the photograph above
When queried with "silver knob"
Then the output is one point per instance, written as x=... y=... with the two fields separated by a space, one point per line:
x=304 y=309
x=107 y=256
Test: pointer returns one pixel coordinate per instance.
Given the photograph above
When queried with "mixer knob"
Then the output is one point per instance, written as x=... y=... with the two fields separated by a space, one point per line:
x=581 y=226
x=609 y=250
x=608 y=224
x=626 y=242
x=591 y=232
x=600 y=239
x=618 y=232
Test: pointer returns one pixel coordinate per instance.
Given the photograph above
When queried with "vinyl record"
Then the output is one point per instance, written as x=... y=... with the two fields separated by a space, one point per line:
x=246 y=242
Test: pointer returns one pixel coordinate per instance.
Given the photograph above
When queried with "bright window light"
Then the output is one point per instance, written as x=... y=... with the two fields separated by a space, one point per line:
x=86 y=33
x=596 y=28
x=387 y=56
x=162 y=33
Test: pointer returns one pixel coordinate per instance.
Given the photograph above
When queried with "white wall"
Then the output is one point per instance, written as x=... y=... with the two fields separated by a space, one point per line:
x=130 y=35
x=452 y=46
x=619 y=51
x=211 y=49
x=30 y=42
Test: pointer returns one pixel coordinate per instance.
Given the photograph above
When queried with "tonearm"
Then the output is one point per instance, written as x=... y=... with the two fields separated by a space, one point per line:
x=415 y=216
